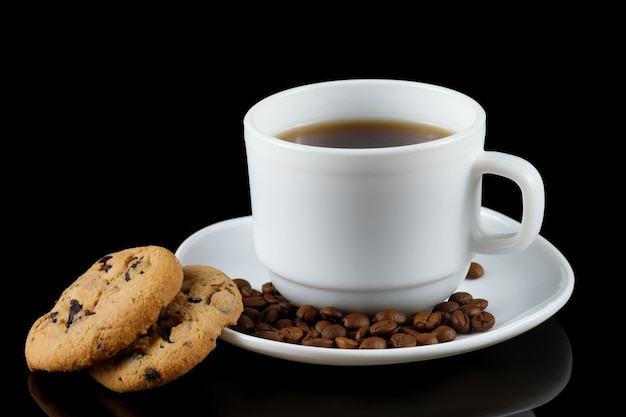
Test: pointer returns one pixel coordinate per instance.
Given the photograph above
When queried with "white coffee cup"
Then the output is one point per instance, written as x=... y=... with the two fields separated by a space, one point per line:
x=389 y=227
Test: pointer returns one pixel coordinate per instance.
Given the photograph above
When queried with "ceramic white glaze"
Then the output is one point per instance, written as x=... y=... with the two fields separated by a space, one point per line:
x=367 y=228
x=524 y=289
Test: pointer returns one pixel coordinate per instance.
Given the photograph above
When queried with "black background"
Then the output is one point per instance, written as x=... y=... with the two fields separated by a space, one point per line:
x=124 y=136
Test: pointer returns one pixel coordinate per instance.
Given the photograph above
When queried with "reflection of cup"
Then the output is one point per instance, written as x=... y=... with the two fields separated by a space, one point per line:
x=390 y=226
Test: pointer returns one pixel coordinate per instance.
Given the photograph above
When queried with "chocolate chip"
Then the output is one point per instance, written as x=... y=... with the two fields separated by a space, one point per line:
x=103 y=261
x=137 y=262
x=75 y=308
x=151 y=375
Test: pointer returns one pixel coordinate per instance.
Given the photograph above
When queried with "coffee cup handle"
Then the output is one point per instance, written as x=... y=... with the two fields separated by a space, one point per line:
x=530 y=183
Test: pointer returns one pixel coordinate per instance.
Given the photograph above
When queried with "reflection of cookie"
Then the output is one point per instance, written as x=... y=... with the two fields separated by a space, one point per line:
x=50 y=393
x=185 y=333
x=104 y=310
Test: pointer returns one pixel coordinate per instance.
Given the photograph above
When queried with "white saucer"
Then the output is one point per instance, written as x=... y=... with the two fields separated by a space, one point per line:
x=523 y=290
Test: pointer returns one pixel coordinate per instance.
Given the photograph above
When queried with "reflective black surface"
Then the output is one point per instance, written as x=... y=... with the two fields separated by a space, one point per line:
x=515 y=376
x=123 y=146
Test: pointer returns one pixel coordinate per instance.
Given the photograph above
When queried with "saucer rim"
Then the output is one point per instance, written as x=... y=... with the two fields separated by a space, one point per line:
x=347 y=357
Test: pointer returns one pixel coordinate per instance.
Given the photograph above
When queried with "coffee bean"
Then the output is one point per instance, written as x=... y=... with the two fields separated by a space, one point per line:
x=362 y=333
x=271 y=298
x=390 y=314
x=307 y=313
x=483 y=321
x=425 y=321
x=446 y=306
x=283 y=307
x=425 y=338
x=284 y=323
x=446 y=318
x=460 y=322
x=402 y=340
x=343 y=342
x=444 y=333
x=470 y=309
x=244 y=324
x=373 y=342
x=301 y=324
x=270 y=334
x=291 y=334
x=475 y=271
x=355 y=320
x=461 y=297
x=383 y=328
x=269 y=315
x=333 y=331
x=318 y=342
x=263 y=327
x=321 y=325
x=242 y=283
x=268 y=288
x=255 y=301
x=331 y=313
x=313 y=334
x=248 y=292
x=480 y=303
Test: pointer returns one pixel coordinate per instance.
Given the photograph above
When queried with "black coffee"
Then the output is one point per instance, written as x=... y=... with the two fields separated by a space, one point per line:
x=364 y=133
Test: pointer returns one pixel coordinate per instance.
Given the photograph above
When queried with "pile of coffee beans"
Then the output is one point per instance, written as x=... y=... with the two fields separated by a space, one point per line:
x=269 y=315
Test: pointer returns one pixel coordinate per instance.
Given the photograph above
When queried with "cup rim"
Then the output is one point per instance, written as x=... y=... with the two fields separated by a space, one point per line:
x=476 y=124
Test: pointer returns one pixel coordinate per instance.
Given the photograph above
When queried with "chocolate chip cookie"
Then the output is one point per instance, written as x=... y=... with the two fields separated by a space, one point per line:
x=104 y=310
x=184 y=334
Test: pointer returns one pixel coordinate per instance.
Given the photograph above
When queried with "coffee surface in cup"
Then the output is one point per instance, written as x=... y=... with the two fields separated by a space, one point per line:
x=367 y=133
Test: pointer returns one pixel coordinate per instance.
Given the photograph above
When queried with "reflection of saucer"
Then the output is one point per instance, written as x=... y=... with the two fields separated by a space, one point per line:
x=524 y=289
x=515 y=376
x=511 y=377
